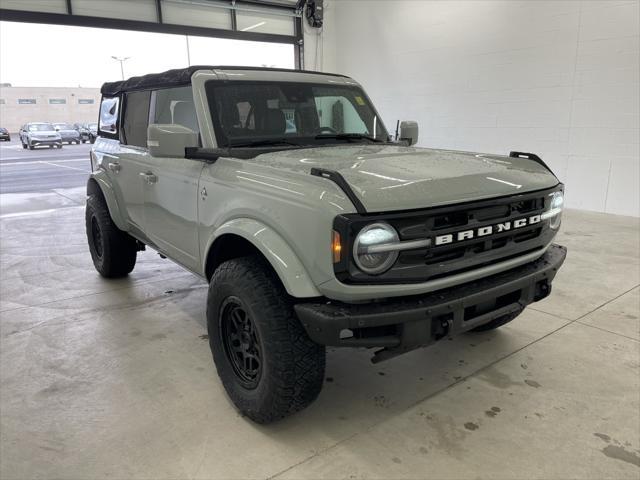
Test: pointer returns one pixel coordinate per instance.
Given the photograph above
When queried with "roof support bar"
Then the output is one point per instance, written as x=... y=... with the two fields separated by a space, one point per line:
x=142 y=26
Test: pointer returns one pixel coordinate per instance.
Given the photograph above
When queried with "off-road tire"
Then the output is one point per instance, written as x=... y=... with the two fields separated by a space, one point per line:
x=292 y=366
x=113 y=251
x=498 y=322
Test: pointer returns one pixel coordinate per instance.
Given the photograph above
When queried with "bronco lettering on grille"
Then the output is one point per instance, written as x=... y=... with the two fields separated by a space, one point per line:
x=487 y=230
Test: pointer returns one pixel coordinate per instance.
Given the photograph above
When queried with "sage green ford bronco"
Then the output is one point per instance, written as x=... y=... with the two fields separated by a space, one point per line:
x=312 y=224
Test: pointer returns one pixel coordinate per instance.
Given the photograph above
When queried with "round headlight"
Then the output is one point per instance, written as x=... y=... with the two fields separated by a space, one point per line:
x=364 y=248
x=555 y=210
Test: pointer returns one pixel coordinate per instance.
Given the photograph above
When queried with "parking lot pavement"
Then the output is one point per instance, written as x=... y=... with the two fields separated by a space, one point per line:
x=41 y=179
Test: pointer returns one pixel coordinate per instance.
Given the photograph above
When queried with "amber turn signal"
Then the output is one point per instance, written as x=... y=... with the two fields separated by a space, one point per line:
x=336 y=247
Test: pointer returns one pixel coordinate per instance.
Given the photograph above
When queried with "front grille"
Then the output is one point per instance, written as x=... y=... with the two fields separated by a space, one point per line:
x=436 y=261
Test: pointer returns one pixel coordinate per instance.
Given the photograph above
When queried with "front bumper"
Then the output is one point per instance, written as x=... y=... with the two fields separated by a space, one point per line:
x=53 y=141
x=402 y=324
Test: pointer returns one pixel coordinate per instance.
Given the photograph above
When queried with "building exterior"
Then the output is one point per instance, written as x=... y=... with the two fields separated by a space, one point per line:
x=19 y=105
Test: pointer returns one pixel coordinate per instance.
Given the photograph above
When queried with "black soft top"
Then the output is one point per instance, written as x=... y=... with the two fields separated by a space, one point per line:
x=178 y=77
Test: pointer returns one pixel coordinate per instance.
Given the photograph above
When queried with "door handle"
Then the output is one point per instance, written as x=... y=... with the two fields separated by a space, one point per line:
x=114 y=167
x=149 y=177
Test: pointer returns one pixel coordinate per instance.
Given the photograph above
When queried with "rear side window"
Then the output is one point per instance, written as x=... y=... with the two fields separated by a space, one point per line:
x=175 y=105
x=136 y=118
x=109 y=110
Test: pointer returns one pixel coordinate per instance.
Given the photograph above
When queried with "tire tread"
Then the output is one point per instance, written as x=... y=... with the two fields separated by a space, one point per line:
x=298 y=364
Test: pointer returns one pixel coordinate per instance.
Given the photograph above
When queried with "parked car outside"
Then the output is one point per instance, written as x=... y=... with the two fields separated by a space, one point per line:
x=36 y=134
x=83 y=130
x=67 y=132
x=284 y=190
x=4 y=135
x=93 y=131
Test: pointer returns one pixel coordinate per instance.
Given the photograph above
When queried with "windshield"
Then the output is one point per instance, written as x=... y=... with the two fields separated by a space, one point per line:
x=40 y=127
x=267 y=113
x=93 y=126
x=63 y=126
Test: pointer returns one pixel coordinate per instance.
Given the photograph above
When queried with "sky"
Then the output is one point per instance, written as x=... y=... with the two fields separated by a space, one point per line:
x=36 y=55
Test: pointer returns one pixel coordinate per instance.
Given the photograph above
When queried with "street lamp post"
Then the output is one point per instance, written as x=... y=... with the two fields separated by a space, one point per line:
x=121 y=60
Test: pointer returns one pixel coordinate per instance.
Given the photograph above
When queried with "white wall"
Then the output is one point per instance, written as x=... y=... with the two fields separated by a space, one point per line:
x=559 y=78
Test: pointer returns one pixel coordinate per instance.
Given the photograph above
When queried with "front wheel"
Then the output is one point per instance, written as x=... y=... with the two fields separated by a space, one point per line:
x=31 y=147
x=113 y=251
x=268 y=365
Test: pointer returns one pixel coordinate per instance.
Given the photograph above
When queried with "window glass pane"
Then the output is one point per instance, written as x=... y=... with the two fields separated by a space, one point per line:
x=339 y=114
x=57 y=101
x=224 y=51
x=136 y=118
x=196 y=14
x=243 y=112
x=175 y=105
x=26 y=101
x=49 y=6
x=109 y=115
x=264 y=22
x=144 y=10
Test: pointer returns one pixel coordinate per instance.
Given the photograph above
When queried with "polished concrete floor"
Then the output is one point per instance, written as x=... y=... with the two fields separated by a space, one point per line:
x=114 y=379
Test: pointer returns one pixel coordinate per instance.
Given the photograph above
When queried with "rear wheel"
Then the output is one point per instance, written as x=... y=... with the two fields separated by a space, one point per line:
x=268 y=365
x=31 y=147
x=113 y=251
x=498 y=322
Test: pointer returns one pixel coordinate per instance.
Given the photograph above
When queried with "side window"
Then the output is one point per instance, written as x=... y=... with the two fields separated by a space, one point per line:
x=175 y=105
x=136 y=118
x=109 y=109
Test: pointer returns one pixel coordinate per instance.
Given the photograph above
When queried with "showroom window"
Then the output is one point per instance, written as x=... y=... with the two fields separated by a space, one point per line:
x=109 y=115
x=136 y=118
x=175 y=105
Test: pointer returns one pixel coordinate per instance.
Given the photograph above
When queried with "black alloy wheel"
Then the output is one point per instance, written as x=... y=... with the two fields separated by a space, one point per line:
x=96 y=236
x=241 y=342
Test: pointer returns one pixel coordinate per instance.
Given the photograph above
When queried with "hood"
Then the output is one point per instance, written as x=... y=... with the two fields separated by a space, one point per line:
x=391 y=177
x=44 y=133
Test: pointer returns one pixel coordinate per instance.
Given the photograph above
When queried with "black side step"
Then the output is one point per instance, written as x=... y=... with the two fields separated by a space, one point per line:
x=530 y=156
x=339 y=180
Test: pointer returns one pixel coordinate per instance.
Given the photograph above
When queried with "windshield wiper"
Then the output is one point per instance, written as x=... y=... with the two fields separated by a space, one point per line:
x=265 y=143
x=349 y=136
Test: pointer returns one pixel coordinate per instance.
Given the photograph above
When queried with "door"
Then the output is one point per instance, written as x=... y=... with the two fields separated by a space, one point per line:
x=123 y=152
x=171 y=184
x=171 y=208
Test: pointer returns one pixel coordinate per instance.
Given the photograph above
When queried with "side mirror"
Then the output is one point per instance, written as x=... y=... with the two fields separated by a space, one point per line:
x=409 y=132
x=170 y=140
